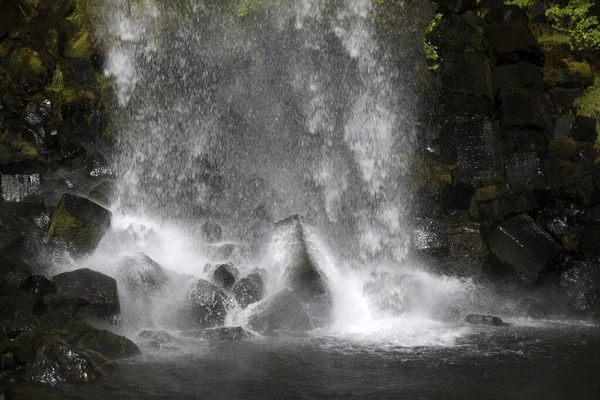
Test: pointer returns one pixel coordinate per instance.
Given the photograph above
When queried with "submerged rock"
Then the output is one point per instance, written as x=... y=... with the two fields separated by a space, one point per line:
x=141 y=275
x=476 y=319
x=205 y=306
x=78 y=223
x=282 y=311
x=99 y=289
x=227 y=334
x=249 y=289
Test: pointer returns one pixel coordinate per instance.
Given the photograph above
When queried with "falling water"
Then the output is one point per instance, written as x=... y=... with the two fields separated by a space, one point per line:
x=301 y=107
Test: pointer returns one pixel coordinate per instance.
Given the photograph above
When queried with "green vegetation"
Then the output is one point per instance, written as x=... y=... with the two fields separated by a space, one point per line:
x=522 y=3
x=57 y=84
x=574 y=20
x=431 y=51
x=589 y=105
x=245 y=7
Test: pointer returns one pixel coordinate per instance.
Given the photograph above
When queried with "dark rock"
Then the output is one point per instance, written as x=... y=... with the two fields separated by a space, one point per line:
x=584 y=129
x=538 y=11
x=530 y=308
x=467 y=78
x=475 y=21
x=454 y=34
x=524 y=108
x=563 y=99
x=249 y=289
x=98 y=166
x=102 y=365
x=99 y=289
x=522 y=168
x=478 y=152
x=20 y=187
x=205 y=306
x=457 y=6
x=506 y=203
x=226 y=334
x=225 y=275
x=39 y=286
x=513 y=42
x=56 y=363
x=156 y=339
x=20 y=302
x=83 y=336
x=523 y=74
x=23 y=346
x=476 y=319
x=581 y=283
x=141 y=275
x=282 y=311
x=78 y=223
x=212 y=232
x=13 y=270
x=562 y=128
x=103 y=193
x=524 y=245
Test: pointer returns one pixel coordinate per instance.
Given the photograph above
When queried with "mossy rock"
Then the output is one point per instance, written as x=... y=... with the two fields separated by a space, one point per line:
x=564 y=148
x=78 y=223
x=80 y=45
x=84 y=336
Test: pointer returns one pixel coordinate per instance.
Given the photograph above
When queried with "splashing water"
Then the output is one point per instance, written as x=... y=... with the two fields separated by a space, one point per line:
x=300 y=108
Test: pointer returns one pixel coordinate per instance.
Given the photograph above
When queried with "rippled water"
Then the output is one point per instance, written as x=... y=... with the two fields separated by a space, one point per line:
x=550 y=360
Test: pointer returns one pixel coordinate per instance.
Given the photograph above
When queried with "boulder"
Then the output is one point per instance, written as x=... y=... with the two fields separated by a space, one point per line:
x=581 y=283
x=476 y=319
x=455 y=34
x=523 y=74
x=506 y=203
x=249 y=289
x=521 y=243
x=156 y=339
x=13 y=270
x=282 y=311
x=39 y=285
x=212 y=232
x=478 y=152
x=522 y=169
x=83 y=336
x=205 y=306
x=56 y=363
x=562 y=128
x=19 y=187
x=584 y=129
x=103 y=193
x=563 y=99
x=225 y=334
x=99 y=289
x=17 y=305
x=530 y=308
x=513 y=42
x=524 y=108
x=78 y=223
x=141 y=275
x=225 y=275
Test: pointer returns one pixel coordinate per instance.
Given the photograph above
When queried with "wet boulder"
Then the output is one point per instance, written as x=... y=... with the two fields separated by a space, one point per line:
x=249 y=289
x=513 y=42
x=478 y=150
x=521 y=243
x=530 y=308
x=467 y=84
x=476 y=319
x=103 y=193
x=225 y=275
x=78 y=223
x=156 y=339
x=581 y=283
x=56 y=363
x=18 y=188
x=39 y=285
x=280 y=312
x=584 y=129
x=223 y=334
x=523 y=74
x=205 y=306
x=524 y=108
x=522 y=169
x=562 y=128
x=141 y=275
x=17 y=305
x=99 y=289
x=13 y=270
x=455 y=34
x=84 y=336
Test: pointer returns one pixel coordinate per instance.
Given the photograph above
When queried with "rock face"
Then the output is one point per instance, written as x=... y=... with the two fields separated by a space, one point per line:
x=99 y=289
x=581 y=282
x=524 y=245
x=56 y=362
x=205 y=306
x=478 y=149
x=282 y=311
x=141 y=275
x=248 y=290
x=78 y=223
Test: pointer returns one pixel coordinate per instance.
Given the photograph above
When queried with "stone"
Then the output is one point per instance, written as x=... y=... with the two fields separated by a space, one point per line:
x=475 y=21
x=507 y=203
x=40 y=286
x=19 y=304
x=99 y=289
x=282 y=311
x=581 y=283
x=563 y=99
x=523 y=74
x=562 y=128
x=524 y=108
x=225 y=334
x=212 y=232
x=78 y=223
x=467 y=78
x=19 y=187
x=83 y=336
x=225 y=275
x=522 y=168
x=478 y=153
x=249 y=289
x=584 y=129
x=56 y=363
x=156 y=339
x=141 y=275
x=98 y=167
x=454 y=34
x=476 y=319
x=521 y=243
x=457 y=6
x=530 y=308
x=102 y=365
x=513 y=42
x=103 y=193
x=13 y=270
x=205 y=307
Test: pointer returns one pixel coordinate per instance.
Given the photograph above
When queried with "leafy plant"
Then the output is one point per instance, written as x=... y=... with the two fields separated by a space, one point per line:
x=431 y=51
x=574 y=20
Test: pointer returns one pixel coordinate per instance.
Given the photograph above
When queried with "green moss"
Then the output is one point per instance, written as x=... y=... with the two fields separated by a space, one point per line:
x=80 y=46
x=579 y=70
x=57 y=84
x=24 y=148
x=245 y=7
x=428 y=175
x=564 y=148
x=27 y=61
x=569 y=242
x=522 y=3
x=67 y=228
